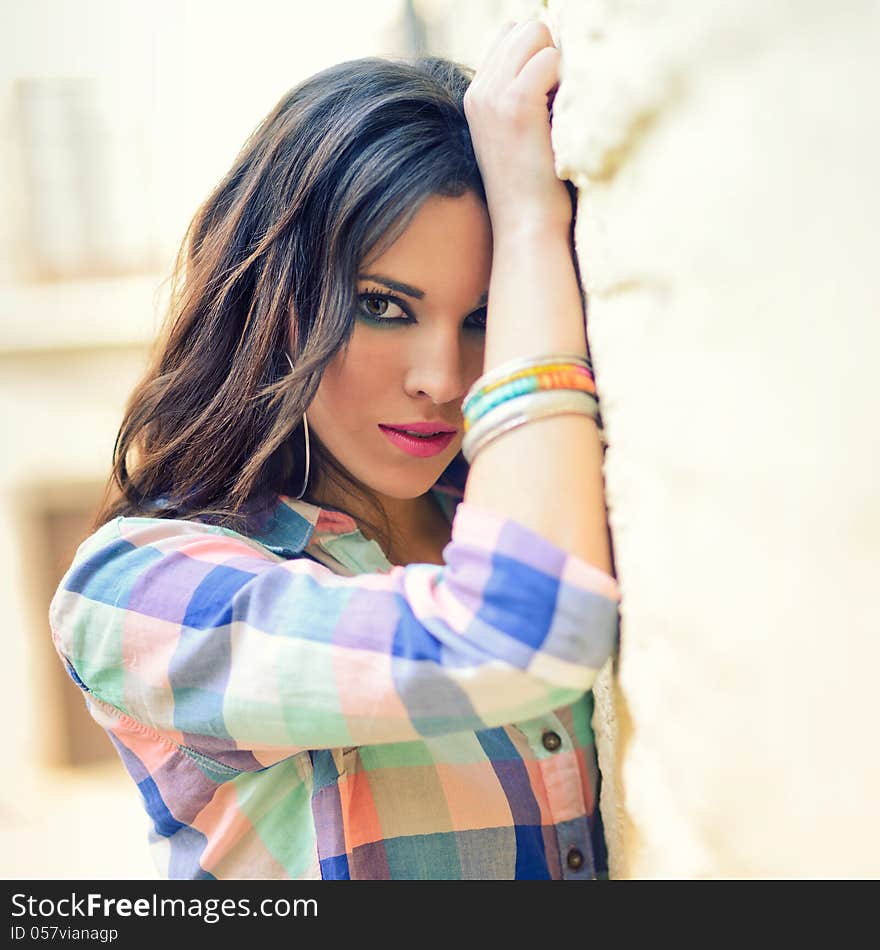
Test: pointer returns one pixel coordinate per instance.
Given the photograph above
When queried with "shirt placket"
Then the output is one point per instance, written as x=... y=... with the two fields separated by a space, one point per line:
x=553 y=748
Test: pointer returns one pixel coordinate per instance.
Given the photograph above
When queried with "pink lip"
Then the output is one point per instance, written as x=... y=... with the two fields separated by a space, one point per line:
x=429 y=427
x=413 y=445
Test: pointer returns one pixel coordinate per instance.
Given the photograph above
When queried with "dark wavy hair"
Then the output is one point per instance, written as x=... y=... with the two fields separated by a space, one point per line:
x=336 y=171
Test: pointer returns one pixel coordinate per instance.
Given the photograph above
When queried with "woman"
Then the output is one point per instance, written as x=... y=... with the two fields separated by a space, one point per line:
x=315 y=656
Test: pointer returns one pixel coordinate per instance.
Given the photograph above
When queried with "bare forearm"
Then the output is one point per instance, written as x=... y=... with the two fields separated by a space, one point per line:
x=546 y=474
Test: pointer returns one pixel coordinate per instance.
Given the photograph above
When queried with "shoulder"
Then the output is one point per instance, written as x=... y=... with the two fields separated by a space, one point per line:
x=111 y=560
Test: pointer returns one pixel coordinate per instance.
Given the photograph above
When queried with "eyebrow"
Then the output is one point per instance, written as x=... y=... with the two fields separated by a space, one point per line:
x=407 y=289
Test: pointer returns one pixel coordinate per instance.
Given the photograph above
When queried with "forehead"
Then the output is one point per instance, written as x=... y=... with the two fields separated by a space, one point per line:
x=447 y=239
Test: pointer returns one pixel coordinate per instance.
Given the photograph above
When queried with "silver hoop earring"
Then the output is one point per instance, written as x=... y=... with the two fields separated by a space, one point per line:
x=306 y=436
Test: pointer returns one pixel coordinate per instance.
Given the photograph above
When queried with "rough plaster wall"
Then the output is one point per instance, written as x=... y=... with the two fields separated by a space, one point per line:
x=727 y=156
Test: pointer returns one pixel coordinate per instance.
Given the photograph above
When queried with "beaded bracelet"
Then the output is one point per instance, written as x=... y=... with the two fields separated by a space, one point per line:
x=512 y=368
x=517 y=411
x=556 y=367
x=578 y=378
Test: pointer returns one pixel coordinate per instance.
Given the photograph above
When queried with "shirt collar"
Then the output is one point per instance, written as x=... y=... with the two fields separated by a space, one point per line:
x=290 y=524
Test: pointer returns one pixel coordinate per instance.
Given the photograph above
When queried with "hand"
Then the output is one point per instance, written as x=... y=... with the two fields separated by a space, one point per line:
x=507 y=106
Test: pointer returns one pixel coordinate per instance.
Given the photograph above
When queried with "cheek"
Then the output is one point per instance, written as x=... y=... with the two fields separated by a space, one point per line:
x=383 y=348
x=356 y=385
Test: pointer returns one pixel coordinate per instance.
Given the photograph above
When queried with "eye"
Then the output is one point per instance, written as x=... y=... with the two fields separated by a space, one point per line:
x=479 y=319
x=375 y=305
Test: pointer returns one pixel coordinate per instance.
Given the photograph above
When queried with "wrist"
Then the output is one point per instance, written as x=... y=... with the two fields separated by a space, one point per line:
x=546 y=211
x=529 y=227
x=525 y=232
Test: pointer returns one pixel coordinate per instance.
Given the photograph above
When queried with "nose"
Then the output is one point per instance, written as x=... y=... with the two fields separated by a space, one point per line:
x=442 y=367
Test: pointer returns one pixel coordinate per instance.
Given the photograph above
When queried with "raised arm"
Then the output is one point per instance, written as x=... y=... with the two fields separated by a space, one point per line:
x=535 y=304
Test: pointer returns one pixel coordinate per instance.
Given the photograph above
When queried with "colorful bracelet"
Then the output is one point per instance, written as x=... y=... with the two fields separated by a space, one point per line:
x=528 y=381
x=513 y=369
x=557 y=367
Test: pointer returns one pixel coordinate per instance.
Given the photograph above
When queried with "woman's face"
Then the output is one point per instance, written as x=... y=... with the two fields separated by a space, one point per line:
x=414 y=351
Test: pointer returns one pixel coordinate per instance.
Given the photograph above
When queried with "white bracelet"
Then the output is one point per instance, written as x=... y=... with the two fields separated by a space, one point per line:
x=522 y=409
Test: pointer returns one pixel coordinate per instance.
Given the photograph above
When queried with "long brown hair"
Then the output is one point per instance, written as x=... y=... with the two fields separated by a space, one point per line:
x=336 y=170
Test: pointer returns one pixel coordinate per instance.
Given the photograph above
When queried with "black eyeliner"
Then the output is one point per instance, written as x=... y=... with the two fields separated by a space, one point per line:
x=381 y=295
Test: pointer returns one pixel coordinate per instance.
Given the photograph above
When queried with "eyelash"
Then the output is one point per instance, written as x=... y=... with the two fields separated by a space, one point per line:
x=374 y=293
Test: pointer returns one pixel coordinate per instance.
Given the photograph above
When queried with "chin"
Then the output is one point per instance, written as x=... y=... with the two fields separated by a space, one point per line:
x=404 y=489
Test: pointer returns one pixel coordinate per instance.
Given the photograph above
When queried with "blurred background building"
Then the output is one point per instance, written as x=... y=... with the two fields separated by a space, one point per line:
x=117 y=117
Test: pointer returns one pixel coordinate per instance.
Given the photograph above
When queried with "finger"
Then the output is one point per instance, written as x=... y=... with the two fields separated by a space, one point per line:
x=520 y=45
x=496 y=42
x=541 y=73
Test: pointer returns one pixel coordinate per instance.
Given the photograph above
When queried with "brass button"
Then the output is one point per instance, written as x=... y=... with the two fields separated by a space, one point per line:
x=575 y=859
x=551 y=741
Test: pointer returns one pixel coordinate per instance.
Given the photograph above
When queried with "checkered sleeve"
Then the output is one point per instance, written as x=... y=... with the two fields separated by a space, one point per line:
x=206 y=637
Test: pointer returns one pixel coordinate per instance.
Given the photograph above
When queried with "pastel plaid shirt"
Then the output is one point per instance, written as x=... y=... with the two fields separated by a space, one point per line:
x=291 y=705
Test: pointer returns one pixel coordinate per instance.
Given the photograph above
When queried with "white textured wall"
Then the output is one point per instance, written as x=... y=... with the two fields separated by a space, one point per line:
x=727 y=155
